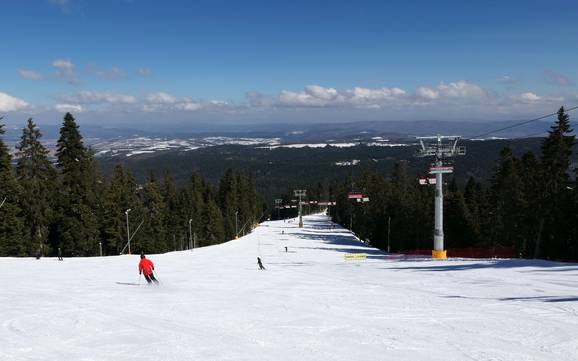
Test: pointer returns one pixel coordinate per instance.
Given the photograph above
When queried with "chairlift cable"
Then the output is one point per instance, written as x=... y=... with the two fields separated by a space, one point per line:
x=521 y=123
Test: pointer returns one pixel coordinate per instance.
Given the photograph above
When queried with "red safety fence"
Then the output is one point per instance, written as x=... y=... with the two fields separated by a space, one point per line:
x=470 y=252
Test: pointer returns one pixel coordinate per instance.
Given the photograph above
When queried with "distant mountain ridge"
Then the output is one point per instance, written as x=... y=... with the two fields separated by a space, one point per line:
x=298 y=132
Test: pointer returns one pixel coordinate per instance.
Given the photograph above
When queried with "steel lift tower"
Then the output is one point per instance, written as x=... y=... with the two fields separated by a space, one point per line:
x=278 y=202
x=440 y=147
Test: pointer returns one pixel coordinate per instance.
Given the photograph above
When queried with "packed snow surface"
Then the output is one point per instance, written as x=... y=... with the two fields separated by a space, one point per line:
x=311 y=303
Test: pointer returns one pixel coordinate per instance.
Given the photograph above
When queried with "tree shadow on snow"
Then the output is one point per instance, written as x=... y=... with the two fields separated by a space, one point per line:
x=462 y=264
x=553 y=299
x=346 y=241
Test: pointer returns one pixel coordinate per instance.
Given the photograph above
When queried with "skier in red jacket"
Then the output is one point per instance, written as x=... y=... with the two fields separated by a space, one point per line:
x=147 y=267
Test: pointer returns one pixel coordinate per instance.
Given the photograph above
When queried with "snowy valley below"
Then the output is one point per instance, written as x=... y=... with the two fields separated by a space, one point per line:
x=311 y=303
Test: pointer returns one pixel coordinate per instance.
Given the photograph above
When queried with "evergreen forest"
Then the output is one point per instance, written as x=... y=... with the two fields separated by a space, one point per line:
x=527 y=203
x=530 y=204
x=67 y=205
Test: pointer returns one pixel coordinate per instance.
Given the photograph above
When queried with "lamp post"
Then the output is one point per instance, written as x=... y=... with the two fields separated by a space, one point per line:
x=388 y=229
x=127 y=230
x=190 y=234
x=278 y=206
x=236 y=225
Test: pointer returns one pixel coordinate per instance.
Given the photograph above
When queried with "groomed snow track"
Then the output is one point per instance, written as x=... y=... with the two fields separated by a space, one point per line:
x=310 y=304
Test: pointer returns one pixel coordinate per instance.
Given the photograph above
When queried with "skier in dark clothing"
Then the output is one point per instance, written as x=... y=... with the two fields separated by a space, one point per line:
x=38 y=253
x=147 y=267
x=59 y=254
x=260 y=264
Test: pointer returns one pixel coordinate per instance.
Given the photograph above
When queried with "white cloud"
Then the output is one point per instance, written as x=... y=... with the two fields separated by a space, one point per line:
x=63 y=65
x=441 y=99
x=65 y=70
x=75 y=108
x=322 y=93
x=533 y=98
x=154 y=102
x=301 y=99
x=507 y=79
x=30 y=74
x=259 y=100
x=107 y=74
x=311 y=96
x=96 y=97
x=9 y=103
x=461 y=89
x=318 y=96
x=427 y=93
x=162 y=101
x=529 y=97
x=161 y=98
x=189 y=106
x=374 y=98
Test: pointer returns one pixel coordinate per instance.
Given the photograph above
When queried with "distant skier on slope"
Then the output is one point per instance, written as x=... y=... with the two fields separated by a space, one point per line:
x=260 y=264
x=147 y=267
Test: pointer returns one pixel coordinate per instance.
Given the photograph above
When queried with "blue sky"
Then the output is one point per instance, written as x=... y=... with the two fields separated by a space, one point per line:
x=132 y=61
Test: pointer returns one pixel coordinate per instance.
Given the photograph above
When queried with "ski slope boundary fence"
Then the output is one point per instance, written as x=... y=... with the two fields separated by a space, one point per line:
x=471 y=252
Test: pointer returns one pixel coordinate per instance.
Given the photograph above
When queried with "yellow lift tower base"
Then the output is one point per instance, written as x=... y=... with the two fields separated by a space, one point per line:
x=439 y=254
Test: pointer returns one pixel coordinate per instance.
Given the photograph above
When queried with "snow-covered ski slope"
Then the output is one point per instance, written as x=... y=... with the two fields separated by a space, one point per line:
x=310 y=304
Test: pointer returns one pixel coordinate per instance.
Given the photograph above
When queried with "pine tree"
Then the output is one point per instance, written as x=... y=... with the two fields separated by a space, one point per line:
x=153 y=236
x=120 y=195
x=378 y=211
x=553 y=235
x=195 y=205
x=175 y=221
x=229 y=198
x=508 y=202
x=531 y=179
x=342 y=211
x=213 y=229
x=402 y=203
x=12 y=232
x=457 y=220
x=77 y=225
x=473 y=194
x=37 y=176
x=72 y=159
x=250 y=205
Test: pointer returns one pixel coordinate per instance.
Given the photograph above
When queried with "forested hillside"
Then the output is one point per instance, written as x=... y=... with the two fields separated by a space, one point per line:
x=529 y=204
x=516 y=194
x=279 y=170
x=70 y=206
